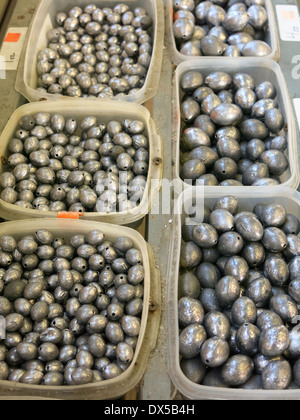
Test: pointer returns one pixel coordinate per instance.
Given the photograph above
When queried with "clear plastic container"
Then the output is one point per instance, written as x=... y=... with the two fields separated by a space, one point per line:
x=177 y=58
x=44 y=20
x=119 y=386
x=261 y=70
x=247 y=200
x=106 y=111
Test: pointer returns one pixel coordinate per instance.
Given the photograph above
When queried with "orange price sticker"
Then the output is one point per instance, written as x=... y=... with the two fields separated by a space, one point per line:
x=69 y=215
x=172 y=13
x=12 y=37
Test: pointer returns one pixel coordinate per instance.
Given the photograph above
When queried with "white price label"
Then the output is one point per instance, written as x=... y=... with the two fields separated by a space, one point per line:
x=297 y=108
x=289 y=22
x=12 y=47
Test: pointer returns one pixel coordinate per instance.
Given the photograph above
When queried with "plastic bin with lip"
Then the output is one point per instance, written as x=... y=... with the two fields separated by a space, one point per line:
x=117 y=387
x=106 y=111
x=44 y=20
x=248 y=198
x=177 y=57
x=261 y=70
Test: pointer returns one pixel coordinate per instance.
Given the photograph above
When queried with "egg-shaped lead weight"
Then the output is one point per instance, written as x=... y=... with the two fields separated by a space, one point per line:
x=277 y=375
x=237 y=370
x=191 y=340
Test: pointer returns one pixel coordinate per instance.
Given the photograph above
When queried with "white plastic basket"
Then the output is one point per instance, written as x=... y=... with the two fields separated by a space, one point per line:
x=247 y=200
x=106 y=111
x=119 y=386
x=261 y=70
x=44 y=20
x=177 y=57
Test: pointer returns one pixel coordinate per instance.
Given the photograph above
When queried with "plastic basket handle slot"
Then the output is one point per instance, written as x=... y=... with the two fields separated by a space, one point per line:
x=69 y=215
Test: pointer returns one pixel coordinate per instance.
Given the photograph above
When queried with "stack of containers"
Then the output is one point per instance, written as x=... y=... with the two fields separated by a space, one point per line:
x=261 y=69
x=112 y=225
